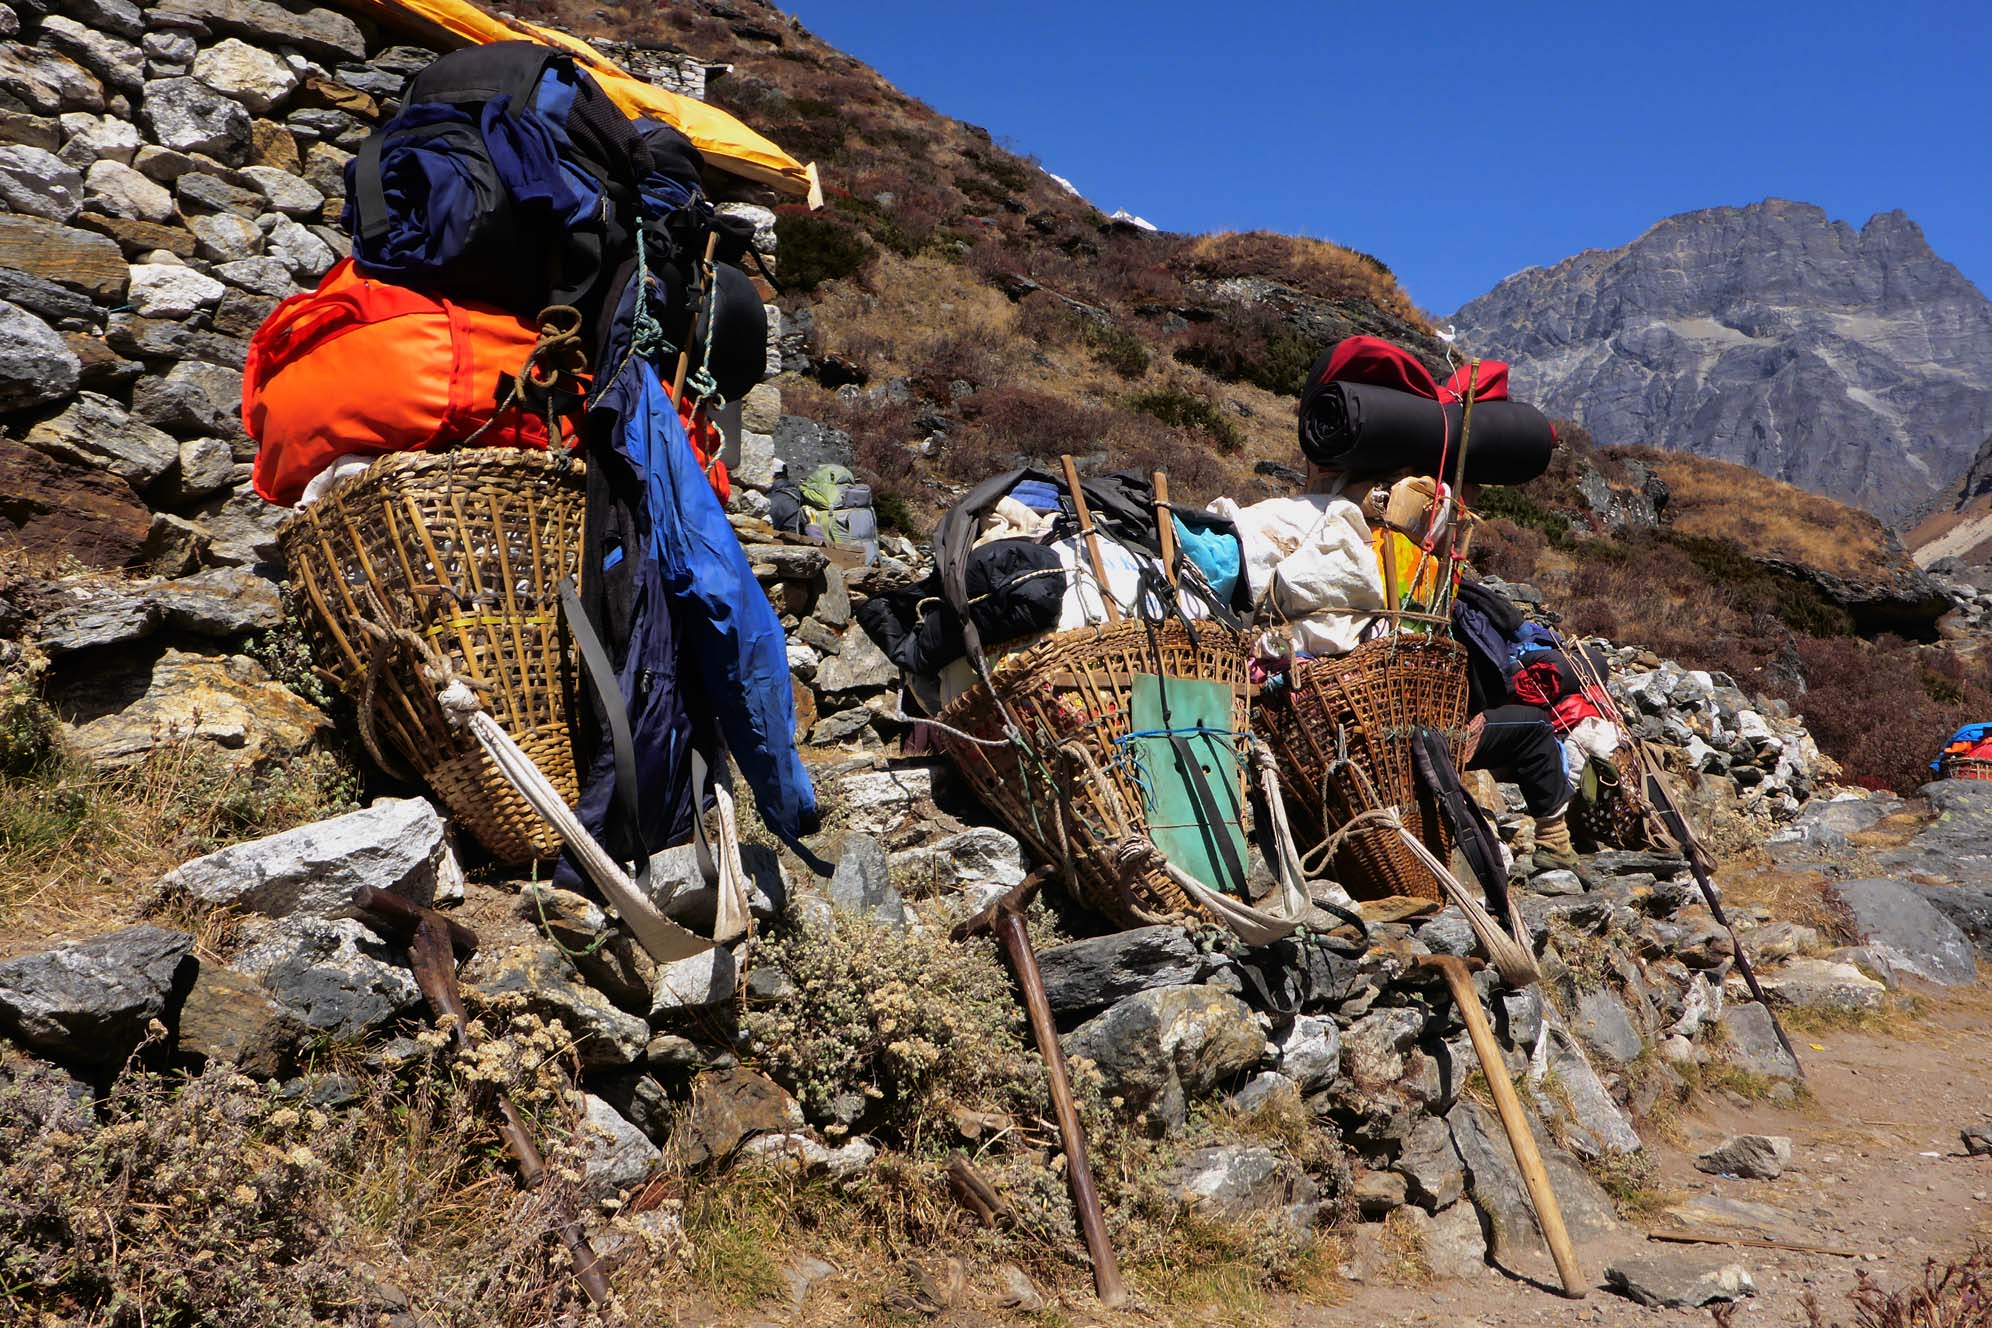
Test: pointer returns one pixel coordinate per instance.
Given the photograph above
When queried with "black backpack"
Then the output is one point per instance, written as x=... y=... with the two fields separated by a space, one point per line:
x=500 y=226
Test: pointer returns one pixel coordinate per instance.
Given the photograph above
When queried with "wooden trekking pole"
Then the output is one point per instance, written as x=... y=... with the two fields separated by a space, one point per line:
x=1086 y=531
x=1005 y=920
x=433 y=942
x=1458 y=974
x=1165 y=525
x=1387 y=550
x=691 y=333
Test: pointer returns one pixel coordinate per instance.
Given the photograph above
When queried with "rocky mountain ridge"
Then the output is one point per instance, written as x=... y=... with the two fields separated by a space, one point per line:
x=1848 y=362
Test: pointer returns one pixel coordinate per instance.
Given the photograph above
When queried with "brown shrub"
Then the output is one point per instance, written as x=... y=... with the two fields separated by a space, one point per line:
x=1252 y=346
x=1884 y=709
x=1007 y=421
x=1316 y=267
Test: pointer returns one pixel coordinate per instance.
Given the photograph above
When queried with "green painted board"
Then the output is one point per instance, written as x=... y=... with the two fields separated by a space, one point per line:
x=1175 y=822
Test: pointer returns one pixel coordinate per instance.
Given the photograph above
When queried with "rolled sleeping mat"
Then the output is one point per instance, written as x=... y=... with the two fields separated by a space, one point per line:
x=1368 y=430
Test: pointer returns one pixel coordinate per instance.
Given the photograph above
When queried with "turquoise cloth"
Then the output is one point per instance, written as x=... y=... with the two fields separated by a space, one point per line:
x=1215 y=553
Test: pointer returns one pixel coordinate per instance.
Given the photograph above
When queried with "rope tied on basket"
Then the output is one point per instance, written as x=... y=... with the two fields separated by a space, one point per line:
x=559 y=356
x=1511 y=952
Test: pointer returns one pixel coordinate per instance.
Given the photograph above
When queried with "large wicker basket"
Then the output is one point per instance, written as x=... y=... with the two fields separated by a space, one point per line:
x=466 y=550
x=1071 y=695
x=1340 y=732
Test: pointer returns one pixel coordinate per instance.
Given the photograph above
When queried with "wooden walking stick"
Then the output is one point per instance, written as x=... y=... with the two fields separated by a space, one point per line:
x=1165 y=525
x=1458 y=974
x=1086 y=530
x=1005 y=919
x=434 y=942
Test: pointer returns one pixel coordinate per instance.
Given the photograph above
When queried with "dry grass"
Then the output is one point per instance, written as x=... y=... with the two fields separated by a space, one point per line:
x=1316 y=267
x=1803 y=897
x=1718 y=500
x=81 y=847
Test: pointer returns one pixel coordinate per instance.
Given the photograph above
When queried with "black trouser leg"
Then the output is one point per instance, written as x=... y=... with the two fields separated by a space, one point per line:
x=1520 y=745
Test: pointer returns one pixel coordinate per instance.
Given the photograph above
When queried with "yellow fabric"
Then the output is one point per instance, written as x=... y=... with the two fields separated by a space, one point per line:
x=723 y=139
x=1408 y=554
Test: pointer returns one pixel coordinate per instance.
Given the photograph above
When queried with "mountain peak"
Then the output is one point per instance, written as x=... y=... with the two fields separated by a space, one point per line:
x=1849 y=362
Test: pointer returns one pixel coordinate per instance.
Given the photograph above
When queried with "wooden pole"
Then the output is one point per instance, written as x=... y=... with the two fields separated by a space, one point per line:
x=1514 y=1120
x=1165 y=525
x=1387 y=551
x=691 y=332
x=1009 y=925
x=1092 y=540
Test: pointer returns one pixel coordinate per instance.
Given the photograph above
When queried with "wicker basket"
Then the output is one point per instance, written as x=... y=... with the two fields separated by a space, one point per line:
x=1967 y=767
x=1617 y=816
x=1071 y=694
x=1341 y=734
x=466 y=549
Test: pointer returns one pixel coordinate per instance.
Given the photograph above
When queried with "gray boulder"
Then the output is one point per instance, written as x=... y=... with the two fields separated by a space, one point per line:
x=1599 y=1127
x=1753 y=1042
x=221 y=602
x=1159 y=1050
x=1967 y=906
x=1433 y=1174
x=88 y=1002
x=36 y=365
x=1823 y=984
x=169 y=290
x=334 y=976
x=187 y=115
x=47 y=82
x=1238 y=1182
x=1310 y=1052
x=119 y=63
x=1606 y=1025
x=324 y=34
x=95 y=430
x=396 y=845
x=37 y=182
x=699 y=982
x=862 y=882
x=1910 y=932
x=1091 y=974
x=113 y=189
x=614 y=1153
x=1495 y=1185
x=1679 y=1281
x=859 y=667
x=984 y=858
x=1750 y=1156
x=248 y=74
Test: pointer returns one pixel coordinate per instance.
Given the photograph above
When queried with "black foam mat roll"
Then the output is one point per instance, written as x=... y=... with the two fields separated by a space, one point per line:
x=1369 y=430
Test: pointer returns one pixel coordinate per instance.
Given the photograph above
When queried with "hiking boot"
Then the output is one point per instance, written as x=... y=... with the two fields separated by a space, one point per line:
x=1555 y=852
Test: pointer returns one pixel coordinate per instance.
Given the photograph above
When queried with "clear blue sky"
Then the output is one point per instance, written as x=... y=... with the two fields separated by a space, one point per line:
x=1460 y=143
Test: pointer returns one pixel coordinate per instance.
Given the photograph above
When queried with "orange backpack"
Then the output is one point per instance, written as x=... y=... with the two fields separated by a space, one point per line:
x=364 y=366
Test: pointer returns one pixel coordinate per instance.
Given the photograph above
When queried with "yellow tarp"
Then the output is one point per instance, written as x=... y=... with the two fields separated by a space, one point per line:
x=723 y=139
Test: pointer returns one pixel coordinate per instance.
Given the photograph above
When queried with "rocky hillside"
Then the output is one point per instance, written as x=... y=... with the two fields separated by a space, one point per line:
x=1848 y=362
x=1958 y=535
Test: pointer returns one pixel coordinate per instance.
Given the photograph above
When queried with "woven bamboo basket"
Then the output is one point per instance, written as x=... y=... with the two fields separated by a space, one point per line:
x=1967 y=767
x=466 y=551
x=1617 y=817
x=1071 y=696
x=1340 y=732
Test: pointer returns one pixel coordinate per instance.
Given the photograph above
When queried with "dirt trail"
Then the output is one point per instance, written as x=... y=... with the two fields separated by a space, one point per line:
x=1877 y=1167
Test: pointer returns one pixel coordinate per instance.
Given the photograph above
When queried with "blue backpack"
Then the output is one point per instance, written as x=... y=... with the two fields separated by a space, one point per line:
x=500 y=154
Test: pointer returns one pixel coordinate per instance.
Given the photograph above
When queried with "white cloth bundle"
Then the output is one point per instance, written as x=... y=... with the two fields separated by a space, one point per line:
x=1310 y=559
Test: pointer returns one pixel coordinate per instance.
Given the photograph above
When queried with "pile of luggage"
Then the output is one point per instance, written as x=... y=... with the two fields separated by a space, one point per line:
x=533 y=269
